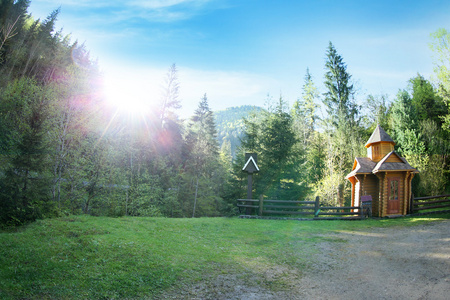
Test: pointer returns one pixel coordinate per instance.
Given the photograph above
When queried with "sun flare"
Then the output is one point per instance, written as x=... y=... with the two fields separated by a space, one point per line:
x=129 y=94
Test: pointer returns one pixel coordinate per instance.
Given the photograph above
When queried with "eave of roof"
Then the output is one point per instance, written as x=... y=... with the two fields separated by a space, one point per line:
x=382 y=165
x=365 y=165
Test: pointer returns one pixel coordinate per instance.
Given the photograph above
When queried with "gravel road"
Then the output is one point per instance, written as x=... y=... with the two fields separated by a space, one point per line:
x=380 y=263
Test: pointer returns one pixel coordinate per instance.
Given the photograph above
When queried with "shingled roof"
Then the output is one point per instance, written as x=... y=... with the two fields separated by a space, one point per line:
x=382 y=165
x=364 y=165
x=379 y=135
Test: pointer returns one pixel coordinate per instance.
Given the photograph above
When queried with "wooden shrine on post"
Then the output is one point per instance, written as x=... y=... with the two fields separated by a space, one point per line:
x=250 y=167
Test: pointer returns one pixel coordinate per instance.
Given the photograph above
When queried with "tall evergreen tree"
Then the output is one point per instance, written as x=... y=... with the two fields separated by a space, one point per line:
x=304 y=110
x=273 y=139
x=202 y=162
x=304 y=114
x=169 y=98
x=24 y=181
x=169 y=133
x=339 y=95
x=343 y=134
x=277 y=140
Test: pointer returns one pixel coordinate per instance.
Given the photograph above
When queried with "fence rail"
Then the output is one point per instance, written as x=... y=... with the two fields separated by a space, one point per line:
x=313 y=210
x=419 y=205
x=306 y=208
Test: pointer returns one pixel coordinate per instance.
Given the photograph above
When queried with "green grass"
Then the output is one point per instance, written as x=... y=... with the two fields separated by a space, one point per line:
x=82 y=257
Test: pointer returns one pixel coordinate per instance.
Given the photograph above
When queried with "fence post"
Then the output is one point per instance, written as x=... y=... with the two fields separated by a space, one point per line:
x=261 y=202
x=316 y=206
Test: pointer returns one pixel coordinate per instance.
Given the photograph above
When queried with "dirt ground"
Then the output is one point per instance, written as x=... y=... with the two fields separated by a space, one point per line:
x=380 y=263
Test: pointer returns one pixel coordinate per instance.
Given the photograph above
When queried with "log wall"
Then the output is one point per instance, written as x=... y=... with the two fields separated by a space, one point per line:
x=368 y=184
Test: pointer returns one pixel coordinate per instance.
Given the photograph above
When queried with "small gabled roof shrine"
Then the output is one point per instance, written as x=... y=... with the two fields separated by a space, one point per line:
x=379 y=135
x=250 y=166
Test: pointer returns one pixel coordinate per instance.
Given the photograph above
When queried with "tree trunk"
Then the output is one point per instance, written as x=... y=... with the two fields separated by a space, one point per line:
x=126 y=203
x=195 y=198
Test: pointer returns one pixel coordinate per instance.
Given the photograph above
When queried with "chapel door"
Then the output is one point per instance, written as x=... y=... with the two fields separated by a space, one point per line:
x=393 y=204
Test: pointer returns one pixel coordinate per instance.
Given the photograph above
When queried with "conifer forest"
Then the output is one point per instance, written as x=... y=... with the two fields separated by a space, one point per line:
x=65 y=150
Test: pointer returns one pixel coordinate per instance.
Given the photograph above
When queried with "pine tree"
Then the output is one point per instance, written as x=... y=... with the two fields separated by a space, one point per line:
x=343 y=134
x=13 y=15
x=304 y=110
x=271 y=136
x=24 y=194
x=339 y=96
x=202 y=161
x=169 y=98
x=304 y=113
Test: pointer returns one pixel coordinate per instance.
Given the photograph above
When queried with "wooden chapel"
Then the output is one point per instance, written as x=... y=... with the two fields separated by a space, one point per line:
x=383 y=175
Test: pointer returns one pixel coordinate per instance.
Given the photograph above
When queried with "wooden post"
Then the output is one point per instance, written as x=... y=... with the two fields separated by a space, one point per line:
x=248 y=210
x=405 y=194
x=261 y=203
x=250 y=168
x=249 y=186
x=316 y=206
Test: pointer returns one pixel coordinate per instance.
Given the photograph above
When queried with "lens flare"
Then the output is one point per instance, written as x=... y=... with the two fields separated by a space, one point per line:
x=128 y=95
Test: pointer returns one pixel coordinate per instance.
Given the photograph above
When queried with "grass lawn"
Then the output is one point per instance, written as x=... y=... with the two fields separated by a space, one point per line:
x=98 y=257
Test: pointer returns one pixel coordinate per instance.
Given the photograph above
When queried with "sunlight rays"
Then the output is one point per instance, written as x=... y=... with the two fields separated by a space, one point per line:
x=128 y=94
x=132 y=98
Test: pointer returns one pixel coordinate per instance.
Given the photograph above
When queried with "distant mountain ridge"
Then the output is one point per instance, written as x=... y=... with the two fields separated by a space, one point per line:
x=230 y=125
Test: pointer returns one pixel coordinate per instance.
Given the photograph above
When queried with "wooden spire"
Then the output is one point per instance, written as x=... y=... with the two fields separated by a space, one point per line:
x=379 y=135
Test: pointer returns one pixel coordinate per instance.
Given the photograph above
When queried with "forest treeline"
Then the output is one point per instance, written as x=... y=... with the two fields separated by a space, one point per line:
x=65 y=150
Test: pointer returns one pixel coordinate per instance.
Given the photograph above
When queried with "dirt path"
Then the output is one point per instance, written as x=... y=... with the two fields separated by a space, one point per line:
x=381 y=263
x=385 y=263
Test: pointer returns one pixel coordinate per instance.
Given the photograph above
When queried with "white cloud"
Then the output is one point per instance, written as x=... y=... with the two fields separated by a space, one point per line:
x=166 y=11
x=159 y=4
x=78 y=3
x=150 y=10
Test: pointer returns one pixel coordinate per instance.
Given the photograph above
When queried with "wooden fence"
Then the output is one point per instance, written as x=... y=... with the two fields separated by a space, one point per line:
x=428 y=204
x=311 y=209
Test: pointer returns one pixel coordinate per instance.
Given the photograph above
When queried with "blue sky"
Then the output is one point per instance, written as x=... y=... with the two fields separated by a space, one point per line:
x=238 y=52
